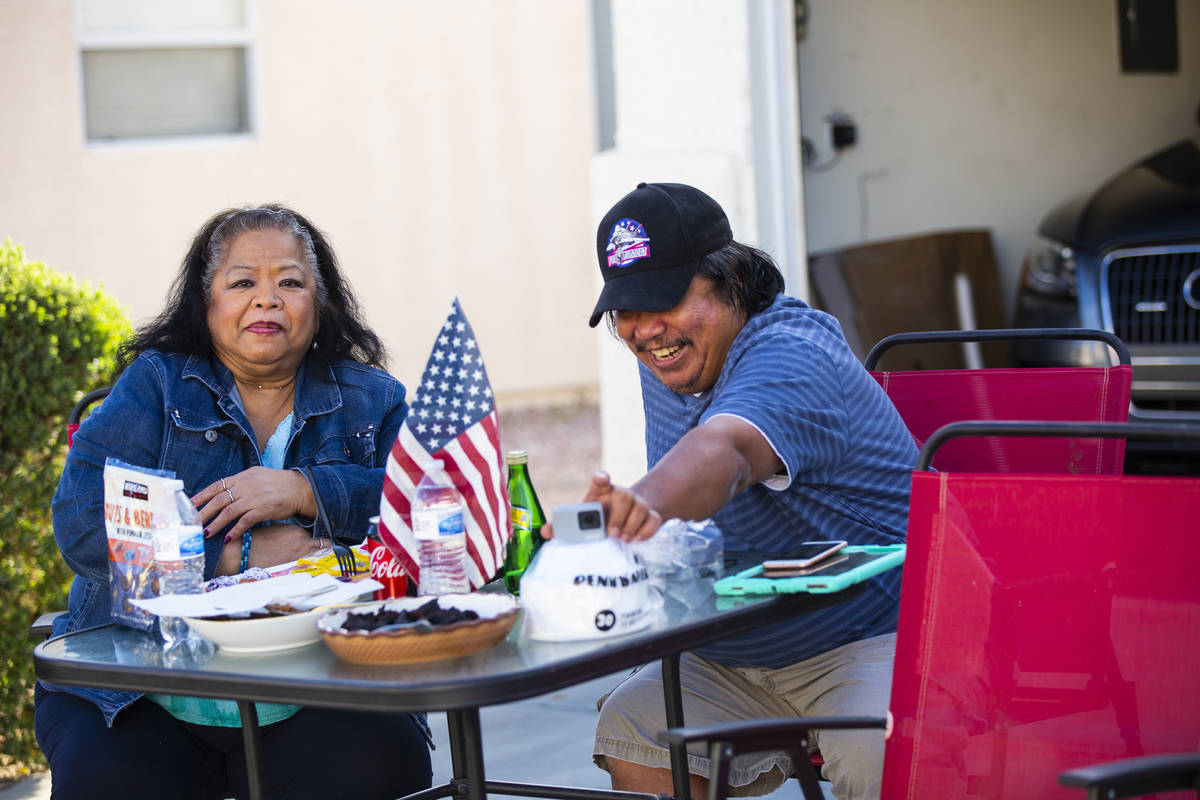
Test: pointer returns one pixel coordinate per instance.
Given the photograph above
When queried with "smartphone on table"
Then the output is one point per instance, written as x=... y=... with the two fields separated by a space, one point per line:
x=806 y=557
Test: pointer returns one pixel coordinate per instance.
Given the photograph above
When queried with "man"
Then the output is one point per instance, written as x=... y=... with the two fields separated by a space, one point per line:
x=759 y=416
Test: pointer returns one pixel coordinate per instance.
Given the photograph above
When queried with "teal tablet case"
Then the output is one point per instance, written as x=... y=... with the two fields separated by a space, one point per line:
x=864 y=561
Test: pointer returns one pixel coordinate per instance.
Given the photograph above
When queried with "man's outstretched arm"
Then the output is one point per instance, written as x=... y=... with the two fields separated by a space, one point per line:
x=694 y=480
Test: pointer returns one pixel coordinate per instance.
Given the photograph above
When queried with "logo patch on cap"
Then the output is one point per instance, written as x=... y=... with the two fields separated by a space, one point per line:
x=627 y=243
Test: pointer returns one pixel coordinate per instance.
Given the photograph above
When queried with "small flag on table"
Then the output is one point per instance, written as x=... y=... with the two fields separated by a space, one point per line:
x=451 y=418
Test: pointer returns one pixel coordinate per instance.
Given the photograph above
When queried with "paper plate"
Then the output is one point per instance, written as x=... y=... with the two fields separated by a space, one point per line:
x=497 y=613
x=260 y=635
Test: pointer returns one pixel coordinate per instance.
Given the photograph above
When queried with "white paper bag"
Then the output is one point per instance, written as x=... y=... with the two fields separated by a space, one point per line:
x=587 y=590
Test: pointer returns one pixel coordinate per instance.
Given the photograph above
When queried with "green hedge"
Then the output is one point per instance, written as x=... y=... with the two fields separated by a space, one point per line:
x=58 y=340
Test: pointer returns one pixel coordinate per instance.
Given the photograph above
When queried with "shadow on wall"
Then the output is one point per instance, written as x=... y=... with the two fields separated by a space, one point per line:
x=937 y=281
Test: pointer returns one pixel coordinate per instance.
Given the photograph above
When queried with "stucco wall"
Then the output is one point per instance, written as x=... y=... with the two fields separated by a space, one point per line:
x=977 y=114
x=444 y=148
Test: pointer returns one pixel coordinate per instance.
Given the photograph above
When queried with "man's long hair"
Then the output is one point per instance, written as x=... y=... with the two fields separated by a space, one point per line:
x=746 y=277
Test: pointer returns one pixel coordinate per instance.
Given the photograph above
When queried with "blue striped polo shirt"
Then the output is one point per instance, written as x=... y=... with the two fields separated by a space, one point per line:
x=848 y=459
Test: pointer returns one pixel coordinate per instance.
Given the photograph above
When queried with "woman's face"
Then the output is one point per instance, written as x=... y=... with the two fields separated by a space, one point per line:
x=262 y=312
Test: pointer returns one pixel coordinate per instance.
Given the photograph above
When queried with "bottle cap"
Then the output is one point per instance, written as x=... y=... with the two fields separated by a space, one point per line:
x=516 y=457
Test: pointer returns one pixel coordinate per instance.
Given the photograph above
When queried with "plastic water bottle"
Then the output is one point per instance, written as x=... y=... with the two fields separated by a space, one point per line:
x=437 y=517
x=178 y=539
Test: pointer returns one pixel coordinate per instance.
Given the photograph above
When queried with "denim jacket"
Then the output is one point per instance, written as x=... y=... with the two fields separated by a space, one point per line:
x=177 y=412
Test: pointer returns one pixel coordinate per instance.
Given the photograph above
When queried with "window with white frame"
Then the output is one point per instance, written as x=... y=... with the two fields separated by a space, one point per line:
x=165 y=68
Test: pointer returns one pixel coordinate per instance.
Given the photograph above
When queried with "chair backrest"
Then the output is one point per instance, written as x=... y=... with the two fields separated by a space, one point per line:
x=929 y=399
x=43 y=626
x=76 y=415
x=1046 y=623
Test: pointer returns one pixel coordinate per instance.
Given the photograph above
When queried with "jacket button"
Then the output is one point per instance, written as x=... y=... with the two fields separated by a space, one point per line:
x=346 y=450
x=210 y=436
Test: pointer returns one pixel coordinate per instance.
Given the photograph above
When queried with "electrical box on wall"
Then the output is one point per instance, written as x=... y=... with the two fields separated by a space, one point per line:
x=1149 y=35
x=843 y=132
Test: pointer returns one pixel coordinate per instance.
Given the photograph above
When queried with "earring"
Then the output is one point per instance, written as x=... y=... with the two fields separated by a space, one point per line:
x=314 y=344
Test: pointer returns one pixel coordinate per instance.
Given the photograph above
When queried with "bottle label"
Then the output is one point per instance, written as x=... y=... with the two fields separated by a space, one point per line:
x=450 y=524
x=521 y=518
x=176 y=542
x=436 y=523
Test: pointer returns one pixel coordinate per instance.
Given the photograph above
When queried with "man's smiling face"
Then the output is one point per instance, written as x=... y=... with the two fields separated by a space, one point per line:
x=686 y=346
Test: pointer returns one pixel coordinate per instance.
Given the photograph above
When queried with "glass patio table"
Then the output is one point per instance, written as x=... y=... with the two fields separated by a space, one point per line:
x=115 y=657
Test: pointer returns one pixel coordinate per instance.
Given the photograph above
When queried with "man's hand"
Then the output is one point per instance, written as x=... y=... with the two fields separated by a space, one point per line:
x=629 y=516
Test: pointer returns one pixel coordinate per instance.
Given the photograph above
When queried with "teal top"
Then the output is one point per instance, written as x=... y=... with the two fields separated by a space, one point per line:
x=224 y=713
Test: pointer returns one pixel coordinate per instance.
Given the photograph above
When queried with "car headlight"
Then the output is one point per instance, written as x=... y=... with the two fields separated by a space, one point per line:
x=1049 y=268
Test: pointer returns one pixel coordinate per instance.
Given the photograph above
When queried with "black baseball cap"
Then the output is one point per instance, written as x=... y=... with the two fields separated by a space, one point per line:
x=650 y=243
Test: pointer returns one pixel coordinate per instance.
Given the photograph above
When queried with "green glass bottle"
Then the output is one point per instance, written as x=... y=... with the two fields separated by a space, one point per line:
x=527 y=520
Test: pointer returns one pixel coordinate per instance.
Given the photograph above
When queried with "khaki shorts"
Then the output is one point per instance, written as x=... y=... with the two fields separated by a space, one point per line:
x=852 y=680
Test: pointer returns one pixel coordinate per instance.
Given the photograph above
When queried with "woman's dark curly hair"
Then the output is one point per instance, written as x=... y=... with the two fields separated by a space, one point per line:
x=182 y=327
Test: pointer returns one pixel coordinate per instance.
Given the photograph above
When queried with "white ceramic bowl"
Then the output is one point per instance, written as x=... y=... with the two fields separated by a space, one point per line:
x=260 y=635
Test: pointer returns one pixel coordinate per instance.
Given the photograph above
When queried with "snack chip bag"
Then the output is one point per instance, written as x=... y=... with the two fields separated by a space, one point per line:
x=130 y=495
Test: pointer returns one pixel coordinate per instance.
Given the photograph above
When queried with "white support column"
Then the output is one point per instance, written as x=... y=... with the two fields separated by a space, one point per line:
x=705 y=93
x=775 y=94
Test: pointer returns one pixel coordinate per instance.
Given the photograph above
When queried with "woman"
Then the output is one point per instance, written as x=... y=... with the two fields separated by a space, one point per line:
x=259 y=367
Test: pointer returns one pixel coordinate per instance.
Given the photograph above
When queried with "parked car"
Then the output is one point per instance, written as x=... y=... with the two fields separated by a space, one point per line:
x=1126 y=258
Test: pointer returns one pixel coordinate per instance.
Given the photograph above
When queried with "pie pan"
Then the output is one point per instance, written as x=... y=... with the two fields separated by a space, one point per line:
x=421 y=641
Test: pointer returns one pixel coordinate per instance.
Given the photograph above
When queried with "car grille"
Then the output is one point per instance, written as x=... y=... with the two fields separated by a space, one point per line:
x=1145 y=296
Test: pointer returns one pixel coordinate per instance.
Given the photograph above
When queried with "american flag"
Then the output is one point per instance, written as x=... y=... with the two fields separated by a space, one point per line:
x=451 y=418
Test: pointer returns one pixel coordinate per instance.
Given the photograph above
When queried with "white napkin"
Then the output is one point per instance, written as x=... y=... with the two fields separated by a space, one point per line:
x=299 y=590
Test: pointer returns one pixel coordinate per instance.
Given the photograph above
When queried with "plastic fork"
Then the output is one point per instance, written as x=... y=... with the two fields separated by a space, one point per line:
x=345 y=558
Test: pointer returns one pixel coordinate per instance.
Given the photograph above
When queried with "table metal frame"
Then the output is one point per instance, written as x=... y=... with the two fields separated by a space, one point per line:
x=515 y=669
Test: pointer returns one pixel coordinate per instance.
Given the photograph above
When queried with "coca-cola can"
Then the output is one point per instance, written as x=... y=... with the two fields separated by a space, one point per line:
x=385 y=567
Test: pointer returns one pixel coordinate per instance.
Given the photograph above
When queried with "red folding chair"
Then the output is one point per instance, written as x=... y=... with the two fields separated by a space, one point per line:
x=1047 y=623
x=85 y=403
x=929 y=399
x=43 y=625
x=1056 y=620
